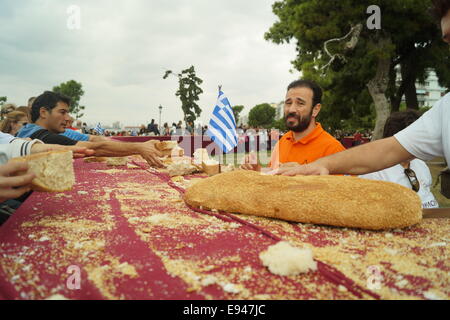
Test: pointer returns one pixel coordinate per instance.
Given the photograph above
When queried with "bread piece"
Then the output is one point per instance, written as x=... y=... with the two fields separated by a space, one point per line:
x=285 y=260
x=54 y=170
x=175 y=152
x=181 y=168
x=95 y=159
x=211 y=167
x=166 y=145
x=200 y=156
x=117 y=161
x=331 y=200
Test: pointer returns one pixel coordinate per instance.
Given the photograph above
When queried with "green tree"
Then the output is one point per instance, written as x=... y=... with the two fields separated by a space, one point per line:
x=280 y=124
x=236 y=112
x=3 y=100
x=364 y=71
x=74 y=90
x=188 y=91
x=261 y=116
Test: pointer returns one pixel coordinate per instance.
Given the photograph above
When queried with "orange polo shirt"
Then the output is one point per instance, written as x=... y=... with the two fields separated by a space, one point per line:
x=315 y=145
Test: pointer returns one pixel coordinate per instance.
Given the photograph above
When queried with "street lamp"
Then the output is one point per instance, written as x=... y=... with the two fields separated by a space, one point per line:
x=160 y=110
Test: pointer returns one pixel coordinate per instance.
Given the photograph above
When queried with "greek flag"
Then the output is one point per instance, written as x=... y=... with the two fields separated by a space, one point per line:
x=98 y=128
x=222 y=126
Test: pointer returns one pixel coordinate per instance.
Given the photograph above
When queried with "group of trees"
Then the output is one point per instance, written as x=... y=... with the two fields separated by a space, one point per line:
x=360 y=85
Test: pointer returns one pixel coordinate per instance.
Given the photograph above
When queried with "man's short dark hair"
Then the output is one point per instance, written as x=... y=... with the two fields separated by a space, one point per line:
x=47 y=100
x=440 y=8
x=317 y=91
x=398 y=121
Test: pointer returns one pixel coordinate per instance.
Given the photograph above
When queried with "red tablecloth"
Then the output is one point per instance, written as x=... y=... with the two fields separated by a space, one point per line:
x=132 y=237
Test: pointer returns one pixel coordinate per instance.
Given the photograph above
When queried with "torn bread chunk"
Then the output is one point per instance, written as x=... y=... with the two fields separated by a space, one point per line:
x=117 y=161
x=200 y=156
x=53 y=170
x=285 y=260
x=211 y=167
x=166 y=145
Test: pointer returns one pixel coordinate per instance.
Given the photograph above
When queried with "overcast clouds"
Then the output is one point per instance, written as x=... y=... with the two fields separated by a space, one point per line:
x=123 y=48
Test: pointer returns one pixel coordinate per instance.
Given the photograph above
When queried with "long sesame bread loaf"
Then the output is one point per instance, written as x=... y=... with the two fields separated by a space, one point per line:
x=53 y=170
x=331 y=200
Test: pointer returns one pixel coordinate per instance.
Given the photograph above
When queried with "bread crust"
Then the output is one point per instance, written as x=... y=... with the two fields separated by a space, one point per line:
x=330 y=200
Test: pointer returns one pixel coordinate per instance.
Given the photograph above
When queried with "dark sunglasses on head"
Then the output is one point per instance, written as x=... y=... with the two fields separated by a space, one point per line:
x=411 y=175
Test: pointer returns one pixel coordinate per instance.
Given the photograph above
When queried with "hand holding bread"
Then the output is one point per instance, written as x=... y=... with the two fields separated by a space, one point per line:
x=52 y=171
x=151 y=154
x=14 y=180
x=251 y=162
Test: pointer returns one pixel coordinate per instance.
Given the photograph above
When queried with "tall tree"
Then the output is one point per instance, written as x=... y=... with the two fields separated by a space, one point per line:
x=236 y=112
x=188 y=91
x=74 y=90
x=261 y=116
x=408 y=38
x=3 y=100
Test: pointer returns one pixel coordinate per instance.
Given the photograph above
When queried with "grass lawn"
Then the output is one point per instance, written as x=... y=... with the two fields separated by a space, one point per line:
x=434 y=165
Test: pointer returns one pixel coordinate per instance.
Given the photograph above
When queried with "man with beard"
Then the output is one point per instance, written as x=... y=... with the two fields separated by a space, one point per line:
x=306 y=141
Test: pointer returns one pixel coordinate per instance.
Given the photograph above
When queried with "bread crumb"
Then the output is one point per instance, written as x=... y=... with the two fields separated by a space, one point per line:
x=341 y=288
x=392 y=252
x=208 y=280
x=230 y=288
x=57 y=297
x=285 y=260
x=430 y=295
x=437 y=244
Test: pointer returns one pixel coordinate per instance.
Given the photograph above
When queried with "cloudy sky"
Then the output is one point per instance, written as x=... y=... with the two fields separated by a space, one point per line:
x=122 y=49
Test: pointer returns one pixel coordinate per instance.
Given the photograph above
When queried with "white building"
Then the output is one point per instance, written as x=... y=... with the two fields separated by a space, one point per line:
x=429 y=92
x=279 y=108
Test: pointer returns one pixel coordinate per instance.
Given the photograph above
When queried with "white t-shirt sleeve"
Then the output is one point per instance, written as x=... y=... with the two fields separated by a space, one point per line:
x=6 y=138
x=423 y=138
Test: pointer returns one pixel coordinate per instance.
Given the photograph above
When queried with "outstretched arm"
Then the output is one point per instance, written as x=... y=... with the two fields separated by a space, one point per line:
x=366 y=158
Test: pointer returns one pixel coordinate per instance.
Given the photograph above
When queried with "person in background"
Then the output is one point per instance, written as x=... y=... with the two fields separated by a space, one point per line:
x=25 y=110
x=142 y=130
x=166 y=129
x=306 y=141
x=413 y=174
x=69 y=124
x=173 y=129
x=13 y=122
x=7 y=108
x=153 y=128
x=30 y=102
x=179 y=130
x=189 y=128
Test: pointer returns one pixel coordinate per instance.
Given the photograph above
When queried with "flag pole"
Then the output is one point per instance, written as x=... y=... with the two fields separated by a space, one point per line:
x=221 y=151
